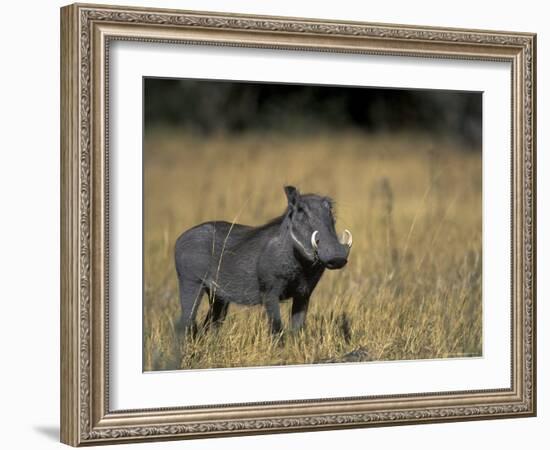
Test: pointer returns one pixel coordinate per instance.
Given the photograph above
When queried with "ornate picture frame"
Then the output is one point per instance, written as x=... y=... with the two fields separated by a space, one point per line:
x=87 y=32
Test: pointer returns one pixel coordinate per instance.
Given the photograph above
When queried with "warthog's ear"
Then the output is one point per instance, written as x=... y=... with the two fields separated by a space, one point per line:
x=292 y=195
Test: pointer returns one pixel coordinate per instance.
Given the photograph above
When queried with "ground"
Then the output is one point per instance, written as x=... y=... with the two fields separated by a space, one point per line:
x=411 y=288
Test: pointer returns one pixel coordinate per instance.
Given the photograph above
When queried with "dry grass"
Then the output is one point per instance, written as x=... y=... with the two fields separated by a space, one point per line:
x=411 y=289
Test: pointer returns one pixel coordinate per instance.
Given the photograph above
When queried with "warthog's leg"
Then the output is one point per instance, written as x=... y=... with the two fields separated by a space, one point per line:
x=299 y=311
x=216 y=313
x=273 y=314
x=191 y=293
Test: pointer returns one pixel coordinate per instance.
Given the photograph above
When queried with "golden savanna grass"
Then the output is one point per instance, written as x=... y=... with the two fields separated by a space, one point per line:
x=411 y=288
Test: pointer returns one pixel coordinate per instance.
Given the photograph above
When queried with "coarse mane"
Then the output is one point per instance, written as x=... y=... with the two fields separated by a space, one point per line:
x=275 y=222
x=251 y=232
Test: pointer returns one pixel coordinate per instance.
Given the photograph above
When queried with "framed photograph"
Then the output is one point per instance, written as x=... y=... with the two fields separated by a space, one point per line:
x=275 y=224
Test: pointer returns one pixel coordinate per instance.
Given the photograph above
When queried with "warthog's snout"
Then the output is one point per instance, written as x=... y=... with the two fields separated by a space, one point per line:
x=334 y=256
x=337 y=263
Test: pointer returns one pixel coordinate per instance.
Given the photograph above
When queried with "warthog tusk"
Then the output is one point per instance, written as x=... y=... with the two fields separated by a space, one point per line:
x=347 y=238
x=314 y=239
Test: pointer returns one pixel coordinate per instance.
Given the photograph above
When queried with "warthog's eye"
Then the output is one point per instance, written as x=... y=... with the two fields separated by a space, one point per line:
x=327 y=205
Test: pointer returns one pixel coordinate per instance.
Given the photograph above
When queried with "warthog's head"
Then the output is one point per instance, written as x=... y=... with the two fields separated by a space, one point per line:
x=311 y=223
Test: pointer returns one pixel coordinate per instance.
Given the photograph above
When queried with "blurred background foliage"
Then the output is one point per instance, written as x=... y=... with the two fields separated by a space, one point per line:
x=206 y=107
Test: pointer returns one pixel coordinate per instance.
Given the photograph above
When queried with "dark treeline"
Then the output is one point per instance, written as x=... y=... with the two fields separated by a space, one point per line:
x=207 y=106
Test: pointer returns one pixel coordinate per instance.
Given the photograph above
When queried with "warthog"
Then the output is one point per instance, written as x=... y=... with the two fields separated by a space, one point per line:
x=283 y=259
